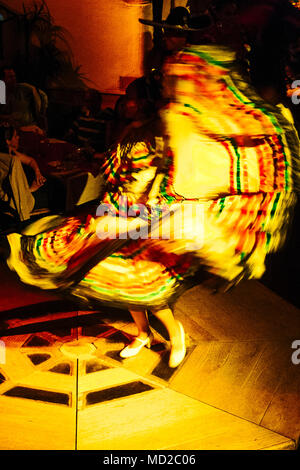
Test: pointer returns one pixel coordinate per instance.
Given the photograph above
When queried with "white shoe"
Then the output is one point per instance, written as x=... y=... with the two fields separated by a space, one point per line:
x=130 y=352
x=177 y=354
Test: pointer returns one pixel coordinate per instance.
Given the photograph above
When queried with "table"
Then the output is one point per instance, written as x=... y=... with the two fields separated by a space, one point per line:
x=81 y=186
x=58 y=159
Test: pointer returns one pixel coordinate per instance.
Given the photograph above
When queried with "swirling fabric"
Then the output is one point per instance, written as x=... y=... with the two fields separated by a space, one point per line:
x=229 y=160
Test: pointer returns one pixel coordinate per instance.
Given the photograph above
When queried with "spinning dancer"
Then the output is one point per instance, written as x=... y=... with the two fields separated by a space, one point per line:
x=226 y=154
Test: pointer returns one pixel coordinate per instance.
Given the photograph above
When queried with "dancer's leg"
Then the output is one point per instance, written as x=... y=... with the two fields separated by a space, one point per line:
x=174 y=328
x=143 y=337
x=140 y=318
x=176 y=334
x=165 y=315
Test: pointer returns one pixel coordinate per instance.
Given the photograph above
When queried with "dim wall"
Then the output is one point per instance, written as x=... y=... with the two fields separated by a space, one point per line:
x=106 y=37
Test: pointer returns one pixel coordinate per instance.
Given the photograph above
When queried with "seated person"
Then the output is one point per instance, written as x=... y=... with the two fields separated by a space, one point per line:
x=9 y=143
x=26 y=106
x=16 y=200
x=43 y=193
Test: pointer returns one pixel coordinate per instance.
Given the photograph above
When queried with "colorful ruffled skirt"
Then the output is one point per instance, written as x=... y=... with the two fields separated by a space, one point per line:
x=229 y=156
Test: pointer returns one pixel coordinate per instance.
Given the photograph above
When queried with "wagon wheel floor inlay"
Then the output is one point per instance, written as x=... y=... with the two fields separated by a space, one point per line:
x=60 y=363
x=66 y=387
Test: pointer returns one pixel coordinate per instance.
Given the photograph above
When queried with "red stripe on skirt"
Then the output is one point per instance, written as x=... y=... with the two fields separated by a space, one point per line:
x=231 y=154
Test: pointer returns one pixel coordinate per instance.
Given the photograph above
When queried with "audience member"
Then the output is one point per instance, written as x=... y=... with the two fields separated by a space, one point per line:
x=30 y=179
x=25 y=104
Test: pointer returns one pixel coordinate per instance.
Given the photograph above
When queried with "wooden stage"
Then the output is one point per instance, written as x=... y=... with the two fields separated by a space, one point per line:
x=63 y=385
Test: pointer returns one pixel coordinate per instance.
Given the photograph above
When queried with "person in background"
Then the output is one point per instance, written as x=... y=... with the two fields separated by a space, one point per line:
x=46 y=195
x=9 y=143
x=26 y=106
x=131 y=111
x=90 y=128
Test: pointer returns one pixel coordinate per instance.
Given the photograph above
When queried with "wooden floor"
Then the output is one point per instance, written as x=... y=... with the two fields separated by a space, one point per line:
x=64 y=386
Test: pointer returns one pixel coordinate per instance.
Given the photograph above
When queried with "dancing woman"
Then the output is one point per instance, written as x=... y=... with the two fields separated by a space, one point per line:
x=68 y=254
x=226 y=152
